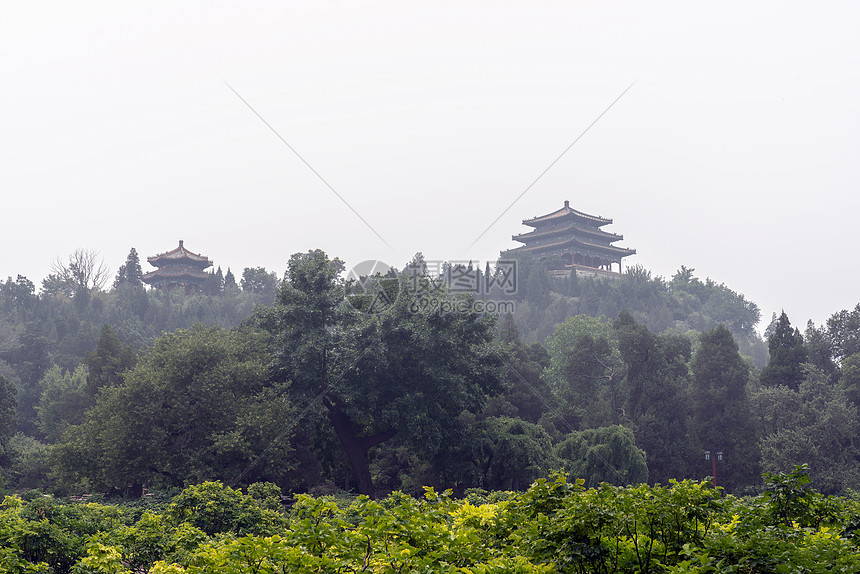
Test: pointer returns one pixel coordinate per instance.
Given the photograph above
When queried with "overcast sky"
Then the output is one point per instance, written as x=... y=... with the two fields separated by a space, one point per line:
x=735 y=151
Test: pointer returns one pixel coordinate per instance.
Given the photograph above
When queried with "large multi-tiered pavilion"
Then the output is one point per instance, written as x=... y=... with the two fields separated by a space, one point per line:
x=177 y=268
x=574 y=236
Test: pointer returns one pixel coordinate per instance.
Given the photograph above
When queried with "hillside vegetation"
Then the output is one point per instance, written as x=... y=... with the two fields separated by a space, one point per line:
x=310 y=384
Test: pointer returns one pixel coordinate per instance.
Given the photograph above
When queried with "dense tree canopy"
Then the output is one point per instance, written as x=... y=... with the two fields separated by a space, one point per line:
x=8 y=406
x=196 y=406
x=395 y=382
x=812 y=424
x=410 y=370
x=657 y=400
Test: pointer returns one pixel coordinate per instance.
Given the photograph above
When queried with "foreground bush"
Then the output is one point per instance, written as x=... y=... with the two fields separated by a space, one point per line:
x=555 y=526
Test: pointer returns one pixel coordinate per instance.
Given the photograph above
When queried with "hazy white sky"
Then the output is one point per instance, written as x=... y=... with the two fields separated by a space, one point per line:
x=734 y=153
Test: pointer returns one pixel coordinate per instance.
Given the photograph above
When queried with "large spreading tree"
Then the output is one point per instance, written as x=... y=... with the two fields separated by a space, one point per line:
x=407 y=368
x=196 y=406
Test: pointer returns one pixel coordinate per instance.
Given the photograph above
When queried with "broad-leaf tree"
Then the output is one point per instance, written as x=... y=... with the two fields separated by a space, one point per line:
x=63 y=402
x=196 y=406
x=585 y=373
x=260 y=282
x=813 y=424
x=605 y=454
x=409 y=370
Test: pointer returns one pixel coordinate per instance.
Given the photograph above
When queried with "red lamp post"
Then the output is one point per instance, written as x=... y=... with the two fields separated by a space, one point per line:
x=714 y=457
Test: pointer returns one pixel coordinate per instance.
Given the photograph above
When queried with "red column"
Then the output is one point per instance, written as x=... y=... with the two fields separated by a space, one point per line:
x=714 y=460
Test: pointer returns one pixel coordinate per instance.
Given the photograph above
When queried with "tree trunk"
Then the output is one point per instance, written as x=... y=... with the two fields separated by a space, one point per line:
x=355 y=446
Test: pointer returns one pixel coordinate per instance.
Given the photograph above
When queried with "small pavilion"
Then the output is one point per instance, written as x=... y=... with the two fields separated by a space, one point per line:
x=178 y=268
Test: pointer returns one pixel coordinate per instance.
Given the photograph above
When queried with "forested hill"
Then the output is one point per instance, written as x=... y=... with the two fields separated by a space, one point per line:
x=545 y=298
x=62 y=323
x=305 y=383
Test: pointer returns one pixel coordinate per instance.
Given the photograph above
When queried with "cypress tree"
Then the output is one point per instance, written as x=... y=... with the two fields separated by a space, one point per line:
x=129 y=273
x=657 y=401
x=721 y=408
x=230 y=280
x=787 y=355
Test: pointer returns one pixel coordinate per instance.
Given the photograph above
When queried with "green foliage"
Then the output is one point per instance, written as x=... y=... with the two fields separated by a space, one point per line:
x=813 y=425
x=215 y=508
x=843 y=333
x=195 y=406
x=28 y=356
x=609 y=528
x=230 y=281
x=849 y=381
x=820 y=350
x=266 y=494
x=722 y=413
x=106 y=365
x=607 y=454
x=657 y=399
x=407 y=371
x=789 y=500
x=787 y=356
x=555 y=526
x=18 y=296
x=585 y=372
x=28 y=467
x=8 y=407
x=63 y=402
x=260 y=282
x=527 y=395
x=45 y=533
x=503 y=453
x=101 y=559
x=683 y=304
x=129 y=273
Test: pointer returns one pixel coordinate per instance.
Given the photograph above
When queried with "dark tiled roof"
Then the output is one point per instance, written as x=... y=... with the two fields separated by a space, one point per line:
x=566 y=211
x=180 y=255
x=175 y=274
x=570 y=228
x=571 y=241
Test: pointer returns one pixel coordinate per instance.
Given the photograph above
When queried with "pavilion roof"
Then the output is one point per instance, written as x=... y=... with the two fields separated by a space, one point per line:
x=570 y=228
x=180 y=255
x=175 y=273
x=571 y=241
x=566 y=212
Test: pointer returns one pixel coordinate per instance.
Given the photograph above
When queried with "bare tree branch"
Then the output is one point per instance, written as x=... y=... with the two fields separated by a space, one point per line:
x=85 y=270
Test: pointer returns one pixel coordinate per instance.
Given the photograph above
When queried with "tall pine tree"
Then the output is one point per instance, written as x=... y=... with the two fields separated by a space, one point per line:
x=787 y=355
x=129 y=273
x=721 y=409
x=657 y=401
